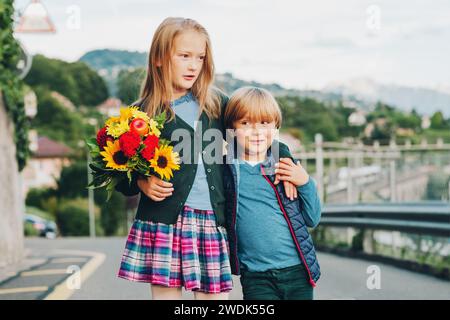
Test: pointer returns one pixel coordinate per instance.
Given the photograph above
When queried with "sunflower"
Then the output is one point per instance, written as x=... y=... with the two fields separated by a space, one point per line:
x=111 y=121
x=126 y=113
x=164 y=161
x=116 y=129
x=154 y=128
x=114 y=157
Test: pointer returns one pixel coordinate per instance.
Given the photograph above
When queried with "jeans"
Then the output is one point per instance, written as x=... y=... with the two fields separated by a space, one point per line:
x=289 y=283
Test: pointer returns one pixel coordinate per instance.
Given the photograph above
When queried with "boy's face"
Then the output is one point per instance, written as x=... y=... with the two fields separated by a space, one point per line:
x=189 y=50
x=254 y=138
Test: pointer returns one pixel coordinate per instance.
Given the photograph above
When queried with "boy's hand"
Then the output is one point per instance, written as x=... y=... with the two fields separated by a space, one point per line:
x=294 y=173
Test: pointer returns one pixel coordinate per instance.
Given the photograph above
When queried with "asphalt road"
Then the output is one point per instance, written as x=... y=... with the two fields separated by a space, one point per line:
x=99 y=259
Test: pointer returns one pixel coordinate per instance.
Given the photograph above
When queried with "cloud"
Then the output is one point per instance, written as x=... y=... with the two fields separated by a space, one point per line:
x=296 y=43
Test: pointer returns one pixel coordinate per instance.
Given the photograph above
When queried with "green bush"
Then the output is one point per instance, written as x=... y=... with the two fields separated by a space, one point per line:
x=11 y=86
x=73 y=218
x=36 y=197
x=29 y=230
x=113 y=214
x=73 y=181
x=73 y=221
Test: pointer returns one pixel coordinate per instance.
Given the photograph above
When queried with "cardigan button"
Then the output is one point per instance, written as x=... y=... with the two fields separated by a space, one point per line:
x=212 y=188
x=209 y=170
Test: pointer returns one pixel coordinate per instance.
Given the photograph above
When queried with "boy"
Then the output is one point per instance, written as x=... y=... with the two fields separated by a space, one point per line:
x=270 y=246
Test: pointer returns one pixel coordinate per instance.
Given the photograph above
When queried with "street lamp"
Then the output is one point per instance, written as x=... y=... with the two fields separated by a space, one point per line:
x=35 y=18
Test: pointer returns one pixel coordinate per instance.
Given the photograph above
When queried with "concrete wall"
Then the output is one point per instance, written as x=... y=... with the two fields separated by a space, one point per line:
x=11 y=201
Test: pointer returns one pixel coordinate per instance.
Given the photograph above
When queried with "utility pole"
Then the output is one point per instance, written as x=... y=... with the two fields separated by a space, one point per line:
x=319 y=165
x=90 y=200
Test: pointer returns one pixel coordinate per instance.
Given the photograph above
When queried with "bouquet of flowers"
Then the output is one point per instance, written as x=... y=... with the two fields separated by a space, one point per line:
x=130 y=143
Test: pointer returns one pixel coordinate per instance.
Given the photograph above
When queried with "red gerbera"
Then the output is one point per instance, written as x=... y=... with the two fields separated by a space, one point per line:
x=151 y=142
x=129 y=143
x=101 y=138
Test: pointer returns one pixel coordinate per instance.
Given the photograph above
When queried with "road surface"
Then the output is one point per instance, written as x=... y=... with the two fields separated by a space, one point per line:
x=99 y=259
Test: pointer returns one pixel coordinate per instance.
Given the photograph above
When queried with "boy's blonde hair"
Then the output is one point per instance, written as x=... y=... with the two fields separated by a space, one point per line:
x=256 y=104
x=156 y=91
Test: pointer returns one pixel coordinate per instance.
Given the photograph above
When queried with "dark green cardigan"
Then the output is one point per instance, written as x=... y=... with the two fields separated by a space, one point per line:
x=167 y=211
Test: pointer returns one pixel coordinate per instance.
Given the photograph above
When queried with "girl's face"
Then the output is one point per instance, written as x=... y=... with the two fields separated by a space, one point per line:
x=254 y=138
x=189 y=51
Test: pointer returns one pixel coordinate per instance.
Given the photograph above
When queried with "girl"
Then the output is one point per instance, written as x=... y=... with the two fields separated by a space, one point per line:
x=262 y=218
x=178 y=238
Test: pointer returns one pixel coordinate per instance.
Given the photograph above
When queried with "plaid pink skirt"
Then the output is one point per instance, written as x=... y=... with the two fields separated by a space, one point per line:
x=192 y=253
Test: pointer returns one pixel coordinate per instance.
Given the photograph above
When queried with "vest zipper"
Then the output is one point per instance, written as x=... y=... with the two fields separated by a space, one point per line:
x=311 y=280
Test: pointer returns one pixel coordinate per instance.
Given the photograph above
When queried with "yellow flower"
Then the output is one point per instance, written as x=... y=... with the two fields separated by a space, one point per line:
x=126 y=113
x=141 y=115
x=111 y=121
x=114 y=157
x=154 y=128
x=116 y=129
x=164 y=161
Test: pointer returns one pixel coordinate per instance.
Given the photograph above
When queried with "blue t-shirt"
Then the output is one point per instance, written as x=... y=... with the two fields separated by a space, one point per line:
x=264 y=239
x=187 y=108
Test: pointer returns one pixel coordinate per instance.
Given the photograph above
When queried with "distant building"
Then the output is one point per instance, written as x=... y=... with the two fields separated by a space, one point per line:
x=110 y=107
x=404 y=132
x=357 y=118
x=45 y=165
x=426 y=122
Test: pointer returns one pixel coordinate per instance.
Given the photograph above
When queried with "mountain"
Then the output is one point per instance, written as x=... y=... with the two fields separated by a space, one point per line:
x=108 y=63
x=423 y=100
x=359 y=93
x=108 y=59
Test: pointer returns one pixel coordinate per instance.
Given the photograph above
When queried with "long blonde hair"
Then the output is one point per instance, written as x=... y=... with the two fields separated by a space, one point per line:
x=156 y=90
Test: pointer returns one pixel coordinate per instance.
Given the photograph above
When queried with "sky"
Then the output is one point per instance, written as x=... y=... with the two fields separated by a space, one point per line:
x=296 y=43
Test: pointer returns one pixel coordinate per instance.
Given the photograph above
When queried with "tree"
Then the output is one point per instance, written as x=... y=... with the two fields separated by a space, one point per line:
x=438 y=121
x=311 y=116
x=128 y=85
x=55 y=121
x=91 y=88
x=76 y=81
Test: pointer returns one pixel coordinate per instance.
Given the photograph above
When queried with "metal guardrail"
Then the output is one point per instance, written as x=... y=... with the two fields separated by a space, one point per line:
x=428 y=217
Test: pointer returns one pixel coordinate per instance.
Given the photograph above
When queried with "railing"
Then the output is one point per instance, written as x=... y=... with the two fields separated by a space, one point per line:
x=427 y=217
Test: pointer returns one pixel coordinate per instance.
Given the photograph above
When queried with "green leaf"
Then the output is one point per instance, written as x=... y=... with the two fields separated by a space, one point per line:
x=92 y=144
x=160 y=119
x=110 y=187
x=164 y=142
x=97 y=167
